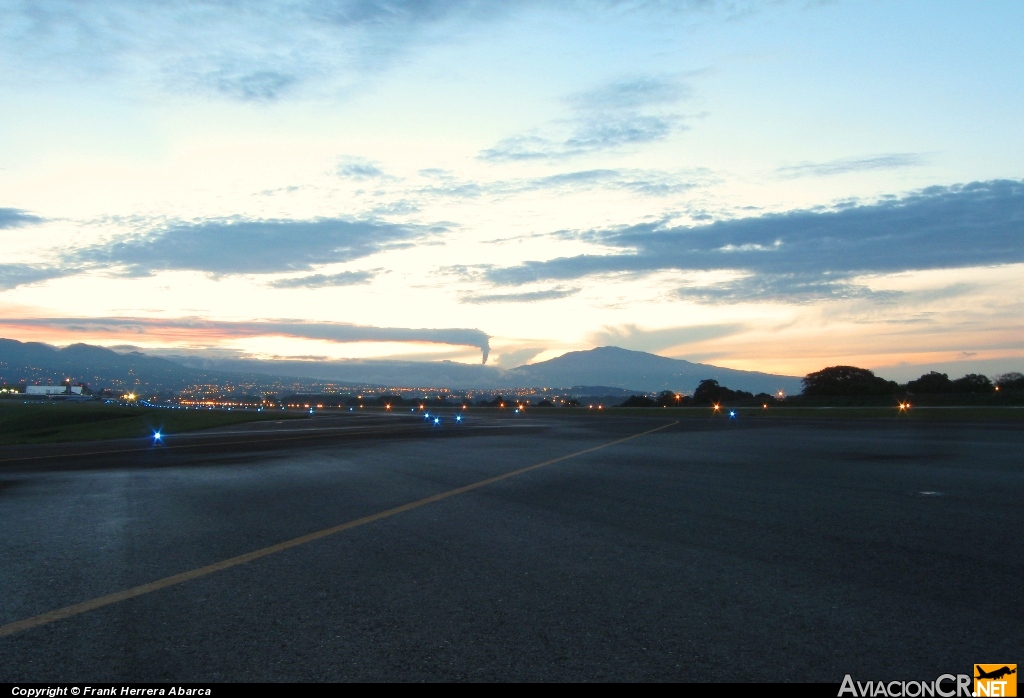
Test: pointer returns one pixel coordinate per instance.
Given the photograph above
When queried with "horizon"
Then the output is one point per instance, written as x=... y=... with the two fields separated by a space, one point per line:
x=762 y=188
x=277 y=368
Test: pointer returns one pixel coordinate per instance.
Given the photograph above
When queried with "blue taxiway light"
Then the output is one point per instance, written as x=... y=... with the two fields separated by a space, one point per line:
x=157 y=436
x=732 y=414
x=437 y=420
x=458 y=418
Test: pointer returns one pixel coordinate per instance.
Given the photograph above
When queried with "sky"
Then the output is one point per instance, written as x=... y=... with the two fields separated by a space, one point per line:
x=774 y=186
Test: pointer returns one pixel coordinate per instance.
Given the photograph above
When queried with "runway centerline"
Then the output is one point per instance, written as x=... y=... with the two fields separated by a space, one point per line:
x=102 y=601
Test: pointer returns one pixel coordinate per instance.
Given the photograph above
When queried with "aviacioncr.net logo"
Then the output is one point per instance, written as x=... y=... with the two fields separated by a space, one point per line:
x=946 y=686
x=995 y=680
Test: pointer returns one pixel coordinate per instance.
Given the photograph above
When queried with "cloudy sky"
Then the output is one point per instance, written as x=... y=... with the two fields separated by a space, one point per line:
x=774 y=186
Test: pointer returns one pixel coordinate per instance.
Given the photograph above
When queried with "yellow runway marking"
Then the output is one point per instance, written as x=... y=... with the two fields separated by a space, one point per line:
x=93 y=604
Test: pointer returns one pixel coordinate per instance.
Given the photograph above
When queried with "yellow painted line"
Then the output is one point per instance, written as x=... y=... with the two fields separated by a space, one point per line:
x=93 y=604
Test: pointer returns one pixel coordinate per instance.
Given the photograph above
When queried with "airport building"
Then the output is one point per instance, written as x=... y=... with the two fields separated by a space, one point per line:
x=53 y=390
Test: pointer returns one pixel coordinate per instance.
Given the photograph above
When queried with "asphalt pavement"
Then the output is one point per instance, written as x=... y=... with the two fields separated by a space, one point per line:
x=709 y=550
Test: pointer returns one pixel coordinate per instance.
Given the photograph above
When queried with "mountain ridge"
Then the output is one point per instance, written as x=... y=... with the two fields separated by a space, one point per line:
x=649 y=372
x=611 y=366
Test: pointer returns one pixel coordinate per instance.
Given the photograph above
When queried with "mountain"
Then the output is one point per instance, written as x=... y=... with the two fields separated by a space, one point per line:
x=605 y=371
x=102 y=368
x=637 y=370
x=602 y=371
x=85 y=363
x=436 y=374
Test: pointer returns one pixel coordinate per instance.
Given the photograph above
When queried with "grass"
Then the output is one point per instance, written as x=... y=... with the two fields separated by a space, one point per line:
x=52 y=422
x=784 y=412
x=889 y=411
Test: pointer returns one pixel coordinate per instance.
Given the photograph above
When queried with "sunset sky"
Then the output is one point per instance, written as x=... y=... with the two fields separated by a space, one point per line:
x=774 y=186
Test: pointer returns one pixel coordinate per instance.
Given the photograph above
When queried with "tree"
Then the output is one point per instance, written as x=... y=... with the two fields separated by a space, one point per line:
x=973 y=383
x=638 y=401
x=545 y=403
x=668 y=398
x=847 y=380
x=1010 y=381
x=710 y=392
x=707 y=392
x=931 y=382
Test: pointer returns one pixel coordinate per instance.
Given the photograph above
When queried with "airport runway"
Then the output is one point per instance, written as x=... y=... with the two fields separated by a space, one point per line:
x=707 y=550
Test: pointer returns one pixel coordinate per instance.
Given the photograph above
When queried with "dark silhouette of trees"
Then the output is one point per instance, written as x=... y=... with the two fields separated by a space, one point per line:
x=572 y=403
x=638 y=401
x=847 y=380
x=973 y=383
x=931 y=383
x=709 y=392
x=668 y=398
x=545 y=403
x=1010 y=381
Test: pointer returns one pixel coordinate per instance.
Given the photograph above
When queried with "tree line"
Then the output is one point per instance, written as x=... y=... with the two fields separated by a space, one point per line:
x=850 y=380
x=835 y=381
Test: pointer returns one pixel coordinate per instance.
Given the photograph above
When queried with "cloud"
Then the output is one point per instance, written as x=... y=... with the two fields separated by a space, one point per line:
x=358 y=169
x=649 y=182
x=528 y=297
x=643 y=182
x=792 y=288
x=249 y=52
x=258 y=85
x=16 y=218
x=572 y=179
x=833 y=167
x=280 y=190
x=249 y=247
x=811 y=254
x=619 y=114
x=633 y=337
x=345 y=278
x=13 y=275
x=265 y=51
x=400 y=207
x=603 y=134
x=517 y=357
x=587 y=136
x=196 y=329
x=451 y=187
x=633 y=94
